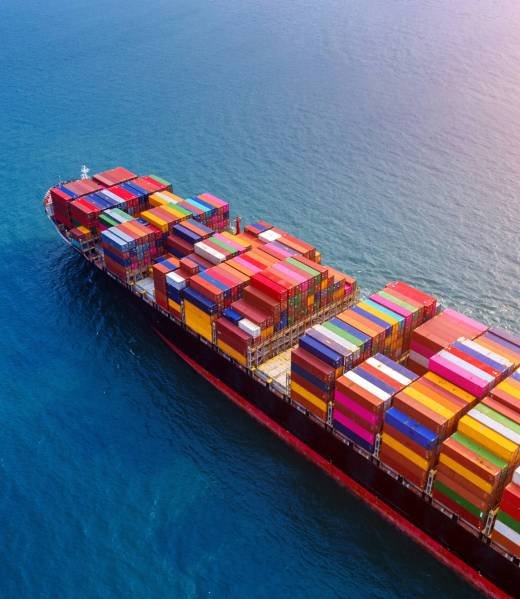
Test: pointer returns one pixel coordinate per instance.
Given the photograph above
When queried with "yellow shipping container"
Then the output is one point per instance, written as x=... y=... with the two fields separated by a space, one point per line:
x=198 y=321
x=489 y=439
x=319 y=403
x=430 y=403
x=508 y=388
x=405 y=451
x=175 y=212
x=174 y=305
x=164 y=198
x=236 y=239
x=157 y=200
x=467 y=474
x=232 y=353
x=381 y=315
x=173 y=198
x=153 y=219
x=438 y=380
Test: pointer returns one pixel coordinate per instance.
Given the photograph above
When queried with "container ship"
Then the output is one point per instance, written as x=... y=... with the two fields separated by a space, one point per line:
x=413 y=407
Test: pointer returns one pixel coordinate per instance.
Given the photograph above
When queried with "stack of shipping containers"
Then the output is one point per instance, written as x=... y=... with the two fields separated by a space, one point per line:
x=421 y=417
x=130 y=248
x=506 y=530
x=478 y=460
x=437 y=334
x=363 y=395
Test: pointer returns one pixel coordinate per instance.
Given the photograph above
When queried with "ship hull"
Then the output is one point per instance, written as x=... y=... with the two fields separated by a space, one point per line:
x=454 y=545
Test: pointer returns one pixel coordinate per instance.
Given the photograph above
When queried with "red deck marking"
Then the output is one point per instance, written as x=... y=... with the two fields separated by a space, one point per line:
x=441 y=553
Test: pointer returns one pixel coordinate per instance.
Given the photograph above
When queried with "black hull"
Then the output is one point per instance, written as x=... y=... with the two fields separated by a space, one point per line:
x=483 y=560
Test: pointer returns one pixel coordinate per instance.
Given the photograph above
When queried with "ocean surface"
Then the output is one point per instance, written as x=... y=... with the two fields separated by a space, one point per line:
x=387 y=132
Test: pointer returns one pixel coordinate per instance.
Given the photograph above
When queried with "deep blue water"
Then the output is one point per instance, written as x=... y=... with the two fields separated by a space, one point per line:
x=385 y=131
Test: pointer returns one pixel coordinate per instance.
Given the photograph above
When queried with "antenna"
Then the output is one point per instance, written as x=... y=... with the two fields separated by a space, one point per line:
x=85 y=171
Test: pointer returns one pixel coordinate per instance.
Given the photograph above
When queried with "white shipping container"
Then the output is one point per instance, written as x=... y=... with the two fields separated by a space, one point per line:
x=372 y=389
x=122 y=235
x=166 y=197
x=487 y=352
x=115 y=197
x=208 y=253
x=469 y=368
x=249 y=327
x=516 y=476
x=269 y=236
x=176 y=280
x=397 y=376
x=110 y=212
x=339 y=340
x=509 y=533
x=495 y=426
x=109 y=236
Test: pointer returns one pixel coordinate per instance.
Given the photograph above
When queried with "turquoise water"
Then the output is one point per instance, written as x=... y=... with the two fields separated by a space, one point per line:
x=387 y=132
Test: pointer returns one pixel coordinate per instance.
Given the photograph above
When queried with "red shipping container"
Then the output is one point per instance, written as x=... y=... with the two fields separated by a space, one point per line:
x=124 y=194
x=313 y=409
x=474 y=361
x=234 y=336
x=179 y=246
x=448 y=481
x=255 y=315
x=325 y=396
x=428 y=301
x=222 y=276
x=313 y=365
x=404 y=467
x=505 y=399
x=260 y=281
x=457 y=509
x=241 y=278
x=114 y=176
x=84 y=212
x=207 y=289
x=202 y=262
x=261 y=257
x=513 y=415
x=428 y=418
x=472 y=461
x=189 y=266
x=83 y=187
x=58 y=195
x=359 y=395
x=510 y=502
x=466 y=484
x=263 y=301
x=426 y=454
x=381 y=376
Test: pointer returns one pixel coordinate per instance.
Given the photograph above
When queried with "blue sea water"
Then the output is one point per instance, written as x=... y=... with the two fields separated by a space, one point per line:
x=385 y=131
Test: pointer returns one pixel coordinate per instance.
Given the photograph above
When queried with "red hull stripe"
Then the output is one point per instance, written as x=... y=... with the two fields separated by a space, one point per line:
x=440 y=552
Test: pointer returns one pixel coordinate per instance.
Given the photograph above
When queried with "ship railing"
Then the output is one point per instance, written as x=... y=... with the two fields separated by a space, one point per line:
x=490 y=521
x=289 y=336
x=429 y=483
x=377 y=447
